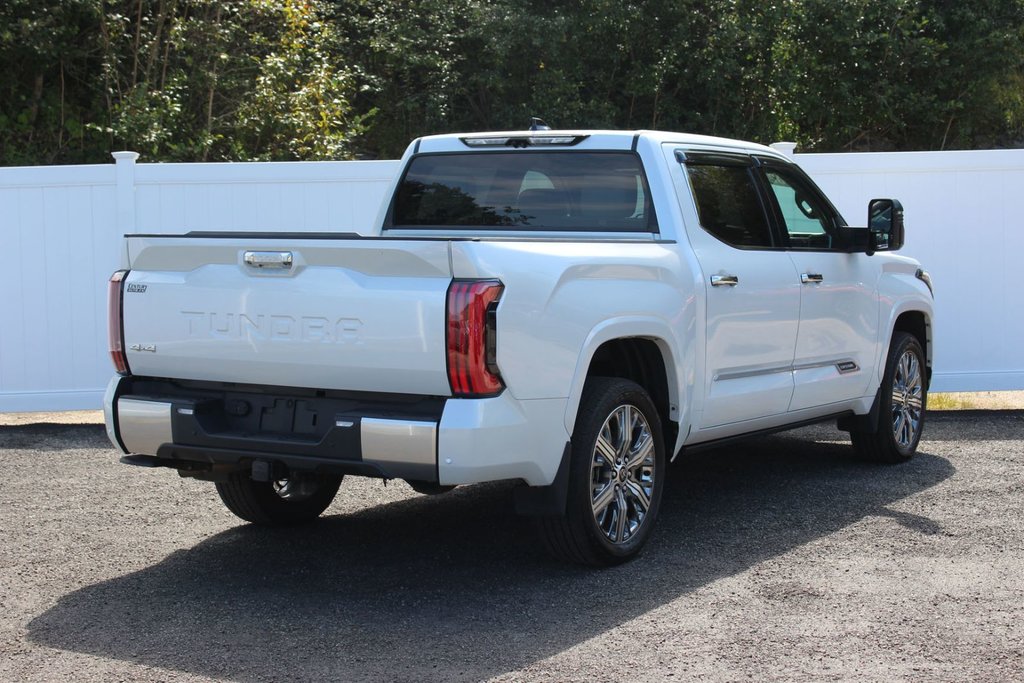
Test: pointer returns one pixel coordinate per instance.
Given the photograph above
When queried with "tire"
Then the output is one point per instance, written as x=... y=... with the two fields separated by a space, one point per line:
x=278 y=503
x=615 y=478
x=902 y=402
x=427 y=488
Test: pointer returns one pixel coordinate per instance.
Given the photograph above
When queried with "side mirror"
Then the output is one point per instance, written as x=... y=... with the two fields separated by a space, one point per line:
x=885 y=225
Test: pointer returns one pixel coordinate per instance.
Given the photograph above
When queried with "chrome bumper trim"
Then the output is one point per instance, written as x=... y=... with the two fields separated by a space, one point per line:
x=405 y=449
x=401 y=448
x=144 y=425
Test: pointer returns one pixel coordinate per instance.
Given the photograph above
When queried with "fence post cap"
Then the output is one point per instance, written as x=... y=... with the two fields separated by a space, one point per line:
x=125 y=156
x=787 y=148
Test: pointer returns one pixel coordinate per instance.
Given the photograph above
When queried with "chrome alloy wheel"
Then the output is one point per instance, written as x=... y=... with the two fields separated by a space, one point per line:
x=622 y=472
x=907 y=399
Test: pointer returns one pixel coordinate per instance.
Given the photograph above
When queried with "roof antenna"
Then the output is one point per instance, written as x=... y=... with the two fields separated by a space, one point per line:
x=538 y=124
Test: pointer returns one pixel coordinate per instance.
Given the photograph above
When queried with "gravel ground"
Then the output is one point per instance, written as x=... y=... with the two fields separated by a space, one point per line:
x=779 y=559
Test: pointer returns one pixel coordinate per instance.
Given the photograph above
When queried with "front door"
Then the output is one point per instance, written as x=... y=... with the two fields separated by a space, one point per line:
x=837 y=343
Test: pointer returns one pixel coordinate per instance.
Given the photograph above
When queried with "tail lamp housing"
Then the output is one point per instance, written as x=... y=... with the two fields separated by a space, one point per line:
x=472 y=338
x=115 y=321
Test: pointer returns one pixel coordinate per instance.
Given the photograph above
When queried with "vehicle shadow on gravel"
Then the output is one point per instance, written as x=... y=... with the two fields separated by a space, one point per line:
x=455 y=587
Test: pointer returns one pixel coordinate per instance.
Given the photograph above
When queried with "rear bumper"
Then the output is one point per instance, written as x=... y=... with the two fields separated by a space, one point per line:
x=448 y=441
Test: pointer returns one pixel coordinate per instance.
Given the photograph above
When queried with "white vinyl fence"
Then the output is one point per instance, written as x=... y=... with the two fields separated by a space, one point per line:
x=60 y=235
x=60 y=232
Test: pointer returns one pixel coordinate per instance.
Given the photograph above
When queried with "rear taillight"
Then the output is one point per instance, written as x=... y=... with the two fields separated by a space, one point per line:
x=115 y=321
x=472 y=369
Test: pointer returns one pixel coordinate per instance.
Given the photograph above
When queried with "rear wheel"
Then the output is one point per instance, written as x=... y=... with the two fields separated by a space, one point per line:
x=428 y=488
x=293 y=500
x=616 y=475
x=903 y=399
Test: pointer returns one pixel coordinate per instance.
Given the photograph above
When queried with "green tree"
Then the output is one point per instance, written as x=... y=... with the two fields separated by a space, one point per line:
x=227 y=79
x=317 y=79
x=49 y=90
x=900 y=74
x=173 y=79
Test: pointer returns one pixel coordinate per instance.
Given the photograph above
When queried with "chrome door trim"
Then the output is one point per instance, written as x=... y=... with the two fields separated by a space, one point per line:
x=743 y=374
x=843 y=366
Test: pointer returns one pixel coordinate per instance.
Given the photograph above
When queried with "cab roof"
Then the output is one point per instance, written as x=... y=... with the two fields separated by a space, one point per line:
x=577 y=139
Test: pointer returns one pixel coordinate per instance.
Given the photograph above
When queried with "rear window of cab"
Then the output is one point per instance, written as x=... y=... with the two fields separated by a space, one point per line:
x=527 y=190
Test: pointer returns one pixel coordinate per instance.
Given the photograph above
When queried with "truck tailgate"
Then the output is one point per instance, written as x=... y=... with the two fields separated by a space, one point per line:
x=327 y=313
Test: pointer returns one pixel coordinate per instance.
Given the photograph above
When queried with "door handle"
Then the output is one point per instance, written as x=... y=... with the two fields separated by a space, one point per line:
x=724 y=280
x=811 y=278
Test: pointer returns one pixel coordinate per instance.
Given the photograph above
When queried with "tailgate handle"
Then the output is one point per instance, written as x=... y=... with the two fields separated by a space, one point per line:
x=268 y=259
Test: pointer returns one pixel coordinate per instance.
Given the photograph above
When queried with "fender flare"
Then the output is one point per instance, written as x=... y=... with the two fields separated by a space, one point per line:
x=905 y=305
x=632 y=327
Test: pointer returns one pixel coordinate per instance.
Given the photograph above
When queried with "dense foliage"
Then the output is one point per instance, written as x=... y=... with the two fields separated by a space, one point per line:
x=319 y=79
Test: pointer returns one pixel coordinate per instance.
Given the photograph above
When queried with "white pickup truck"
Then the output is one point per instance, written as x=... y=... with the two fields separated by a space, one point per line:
x=567 y=309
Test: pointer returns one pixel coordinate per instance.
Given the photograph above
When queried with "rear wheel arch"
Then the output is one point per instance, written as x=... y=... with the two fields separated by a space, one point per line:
x=649 y=362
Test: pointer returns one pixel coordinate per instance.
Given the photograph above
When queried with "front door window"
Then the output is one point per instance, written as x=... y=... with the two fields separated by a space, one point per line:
x=807 y=219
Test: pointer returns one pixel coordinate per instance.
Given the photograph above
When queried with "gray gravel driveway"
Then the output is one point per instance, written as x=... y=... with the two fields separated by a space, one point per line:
x=781 y=558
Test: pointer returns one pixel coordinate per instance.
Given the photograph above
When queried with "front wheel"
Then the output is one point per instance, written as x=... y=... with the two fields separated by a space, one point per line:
x=616 y=476
x=903 y=399
x=293 y=500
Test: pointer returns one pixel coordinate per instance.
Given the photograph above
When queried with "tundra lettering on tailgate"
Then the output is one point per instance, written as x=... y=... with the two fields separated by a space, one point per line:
x=272 y=327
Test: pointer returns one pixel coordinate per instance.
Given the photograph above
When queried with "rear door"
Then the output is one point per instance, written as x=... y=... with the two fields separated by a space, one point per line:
x=328 y=313
x=752 y=291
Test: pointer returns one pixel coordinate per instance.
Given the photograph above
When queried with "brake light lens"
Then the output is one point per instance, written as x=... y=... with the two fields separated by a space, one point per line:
x=533 y=140
x=472 y=339
x=115 y=321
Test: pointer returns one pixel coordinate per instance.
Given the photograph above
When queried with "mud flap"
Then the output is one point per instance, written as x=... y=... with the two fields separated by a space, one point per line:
x=863 y=423
x=543 y=501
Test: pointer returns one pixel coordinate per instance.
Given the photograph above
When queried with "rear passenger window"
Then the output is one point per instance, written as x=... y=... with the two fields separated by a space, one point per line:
x=728 y=204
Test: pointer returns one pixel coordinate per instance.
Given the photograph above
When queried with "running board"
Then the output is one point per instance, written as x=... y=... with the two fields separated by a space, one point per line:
x=716 y=443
